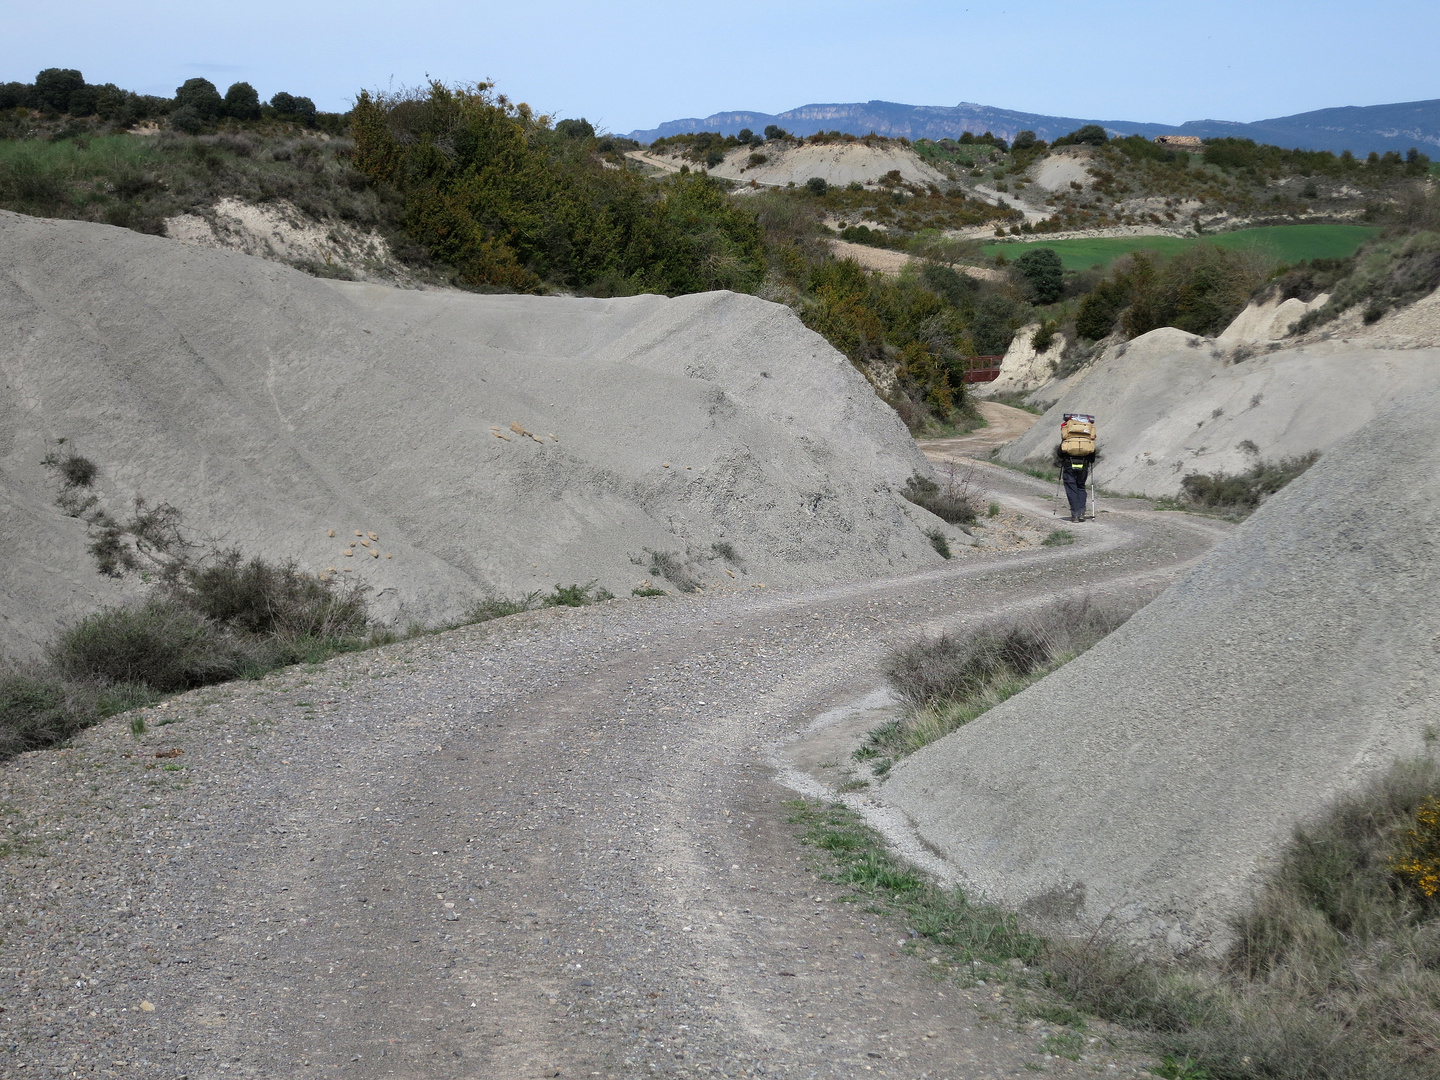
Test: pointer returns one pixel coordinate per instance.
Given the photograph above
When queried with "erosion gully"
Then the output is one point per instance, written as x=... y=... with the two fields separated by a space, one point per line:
x=548 y=846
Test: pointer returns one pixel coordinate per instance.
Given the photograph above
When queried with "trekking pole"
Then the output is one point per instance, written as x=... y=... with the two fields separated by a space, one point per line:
x=1094 y=498
x=1059 y=493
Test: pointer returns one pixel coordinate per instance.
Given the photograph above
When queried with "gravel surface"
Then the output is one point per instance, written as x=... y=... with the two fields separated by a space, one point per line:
x=545 y=846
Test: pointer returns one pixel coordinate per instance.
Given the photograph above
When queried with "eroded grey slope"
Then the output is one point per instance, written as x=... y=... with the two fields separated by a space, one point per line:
x=272 y=407
x=1167 y=405
x=1150 y=779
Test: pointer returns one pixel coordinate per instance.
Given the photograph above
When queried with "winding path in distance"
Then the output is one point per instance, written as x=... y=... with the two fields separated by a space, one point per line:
x=544 y=846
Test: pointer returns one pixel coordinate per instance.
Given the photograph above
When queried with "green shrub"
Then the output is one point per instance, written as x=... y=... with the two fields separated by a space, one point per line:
x=674 y=568
x=38 y=709
x=187 y=119
x=499 y=608
x=817 y=185
x=270 y=599
x=956 y=288
x=300 y=110
x=997 y=317
x=162 y=644
x=1087 y=135
x=953 y=503
x=1389 y=273
x=946 y=682
x=939 y=543
x=577 y=595
x=1240 y=494
x=575 y=129
x=1199 y=290
x=1101 y=308
x=1058 y=538
x=489 y=190
x=726 y=551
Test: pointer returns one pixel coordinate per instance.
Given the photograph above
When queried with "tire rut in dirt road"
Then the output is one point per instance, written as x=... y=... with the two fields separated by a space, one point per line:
x=544 y=846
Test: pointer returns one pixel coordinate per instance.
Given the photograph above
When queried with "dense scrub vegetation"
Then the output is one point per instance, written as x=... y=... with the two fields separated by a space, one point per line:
x=1236 y=177
x=1396 y=269
x=471 y=189
x=137 y=182
x=1200 y=291
x=513 y=203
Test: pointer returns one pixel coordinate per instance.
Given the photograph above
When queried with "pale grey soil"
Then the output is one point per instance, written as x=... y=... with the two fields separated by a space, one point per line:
x=546 y=846
x=1150 y=783
x=440 y=447
x=1169 y=403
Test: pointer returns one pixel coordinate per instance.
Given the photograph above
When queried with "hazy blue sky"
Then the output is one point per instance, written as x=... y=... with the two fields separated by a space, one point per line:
x=635 y=63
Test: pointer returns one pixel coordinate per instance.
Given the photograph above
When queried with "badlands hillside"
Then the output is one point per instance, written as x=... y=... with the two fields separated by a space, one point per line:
x=1150 y=782
x=1171 y=403
x=497 y=445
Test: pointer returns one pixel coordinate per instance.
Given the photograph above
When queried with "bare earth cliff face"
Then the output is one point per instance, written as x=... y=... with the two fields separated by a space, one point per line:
x=272 y=407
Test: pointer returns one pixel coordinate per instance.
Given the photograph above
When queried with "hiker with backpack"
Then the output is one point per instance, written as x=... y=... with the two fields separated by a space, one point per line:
x=1074 y=457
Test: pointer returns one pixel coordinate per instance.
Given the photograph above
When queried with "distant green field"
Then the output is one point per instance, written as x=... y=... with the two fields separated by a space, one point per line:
x=1285 y=243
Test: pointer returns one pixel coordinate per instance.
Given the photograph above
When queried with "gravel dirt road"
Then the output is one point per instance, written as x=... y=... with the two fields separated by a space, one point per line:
x=1002 y=424
x=544 y=846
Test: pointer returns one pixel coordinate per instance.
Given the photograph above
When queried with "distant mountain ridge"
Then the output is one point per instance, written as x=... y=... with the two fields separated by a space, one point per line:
x=1359 y=129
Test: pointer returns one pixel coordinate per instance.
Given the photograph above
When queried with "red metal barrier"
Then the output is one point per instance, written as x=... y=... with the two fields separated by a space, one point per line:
x=982 y=368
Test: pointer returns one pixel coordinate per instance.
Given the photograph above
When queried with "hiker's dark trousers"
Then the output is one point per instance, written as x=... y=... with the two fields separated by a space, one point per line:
x=1075 y=489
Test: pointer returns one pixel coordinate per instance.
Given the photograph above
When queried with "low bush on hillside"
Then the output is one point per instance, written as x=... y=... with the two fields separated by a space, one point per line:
x=134 y=182
x=1238 y=495
x=1390 y=273
x=220 y=619
x=675 y=568
x=40 y=707
x=946 y=682
x=953 y=500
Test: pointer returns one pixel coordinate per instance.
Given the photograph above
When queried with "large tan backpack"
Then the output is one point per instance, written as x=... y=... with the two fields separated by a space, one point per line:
x=1077 y=435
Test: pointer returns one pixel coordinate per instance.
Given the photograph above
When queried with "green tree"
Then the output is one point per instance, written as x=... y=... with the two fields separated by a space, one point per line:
x=53 y=88
x=299 y=110
x=13 y=95
x=1043 y=274
x=575 y=129
x=816 y=185
x=84 y=101
x=200 y=95
x=1024 y=140
x=1101 y=307
x=1088 y=135
x=993 y=327
x=242 y=102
